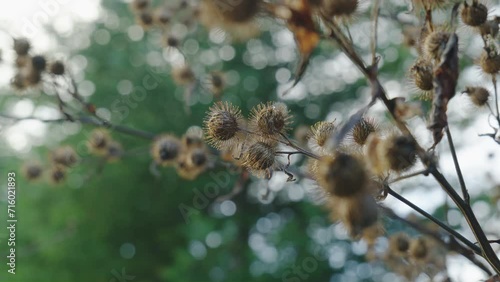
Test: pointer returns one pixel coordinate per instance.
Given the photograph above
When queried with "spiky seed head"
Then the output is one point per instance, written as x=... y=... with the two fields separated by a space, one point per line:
x=371 y=233
x=243 y=11
x=435 y=44
x=172 y=41
x=342 y=175
x=422 y=75
x=32 y=170
x=162 y=16
x=404 y=110
x=359 y=213
x=98 y=141
x=165 y=149
x=239 y=19
x=183 y=75
x=216 y=82
x=64 y=156
x=39 y=63
x=19 y=81
x=21 y=46
x=57 y=174
x=490 y=61
x=198 y=157
x=191 y=162
x=259 y=156
x=57 y=68
x=193 y=138
x=217 y=79
x=33 y=77
x=418 y=249
x=271 y=119
x=399 y=244
x=223 y=125
x=186 y=167
x=475 y=14
x=320 y=133
x=374 y=151
x=490 y=27
x=478 y=95
x=22 y=61
x=400 y=152
x=340 y=8
x=140 y=5
x=114 y=151
x=362 y=130
x=145 y=19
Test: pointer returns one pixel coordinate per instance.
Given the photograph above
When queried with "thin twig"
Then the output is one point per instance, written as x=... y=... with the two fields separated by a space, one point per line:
x=286 y=141
x=450 y=244
x=373 y=45
x=487 y=251
x=89 y=108
x=91 y=121
x=61 y=106
x=492 y=135
x=424 y=172
x=290 y=143
x=435 y=220
x=465 y=193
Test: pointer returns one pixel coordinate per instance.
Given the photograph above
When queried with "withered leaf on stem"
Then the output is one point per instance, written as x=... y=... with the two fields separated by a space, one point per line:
x=301 y=24
x=445 y=82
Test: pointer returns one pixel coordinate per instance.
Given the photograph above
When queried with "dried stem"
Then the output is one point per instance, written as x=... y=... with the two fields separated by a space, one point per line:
x=487 y=251
x=378 y=92
x=91 y=121
x=373 y=45
x=424 y=172
x=465 y=193
x=451 y=243
x=433 y=219
x=290 y=143
x=494 y=81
